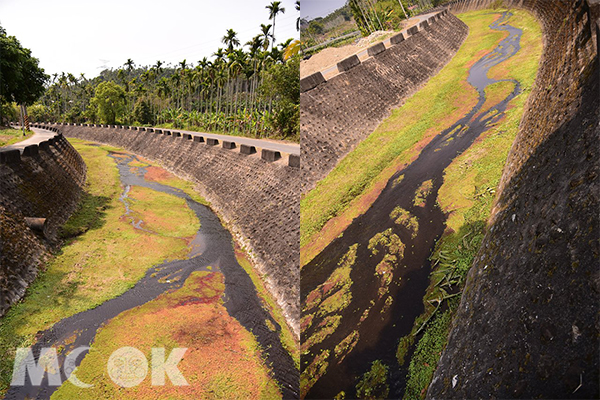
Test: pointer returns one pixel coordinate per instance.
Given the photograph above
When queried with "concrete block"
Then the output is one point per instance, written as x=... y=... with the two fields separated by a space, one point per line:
x=176 y=134
x=310 y=82
x=246 y=149
x=158 y=131
x=228 y=145
x=376 y=49
x=187 y=136
x=142 y=129
x=149 y=129
x=270 y=155
x=294 y=161
x=212 y=141
x=45 y=145
x=167 y=133
x=31 y=150
x=198 y=139
x=413 y=30
x=10 y=157
x=399 y=38
x=134 y=128
x=348 y=63
x=424 y=25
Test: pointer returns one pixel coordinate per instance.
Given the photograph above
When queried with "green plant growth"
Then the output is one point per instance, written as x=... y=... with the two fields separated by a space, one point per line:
x=12 y=136
x=109 y=101
x=373 y=384
x=100 y=261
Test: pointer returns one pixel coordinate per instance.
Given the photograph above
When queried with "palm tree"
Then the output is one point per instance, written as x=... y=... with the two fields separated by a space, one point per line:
x=265 y=35
x=298 y=19
x=230 y=40
x=274 y=9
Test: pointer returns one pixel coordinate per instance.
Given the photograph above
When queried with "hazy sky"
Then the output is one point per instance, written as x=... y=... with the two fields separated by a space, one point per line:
x=89 y=35
x=319 y=8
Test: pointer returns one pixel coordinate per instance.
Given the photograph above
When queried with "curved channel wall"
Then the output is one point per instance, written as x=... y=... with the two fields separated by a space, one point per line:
x=42 y=181
x=337 y=114
x=528 y=322
x=255 y=191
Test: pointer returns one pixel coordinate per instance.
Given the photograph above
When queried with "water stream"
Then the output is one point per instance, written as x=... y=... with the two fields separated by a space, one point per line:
x=389 y=319
x=211 y=246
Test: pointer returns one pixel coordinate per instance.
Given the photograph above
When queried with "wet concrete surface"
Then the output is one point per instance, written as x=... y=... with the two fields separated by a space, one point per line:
x=380 y=331
x=211 y=246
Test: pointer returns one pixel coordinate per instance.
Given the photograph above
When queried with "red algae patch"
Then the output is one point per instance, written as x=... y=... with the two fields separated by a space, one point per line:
x=222 y=359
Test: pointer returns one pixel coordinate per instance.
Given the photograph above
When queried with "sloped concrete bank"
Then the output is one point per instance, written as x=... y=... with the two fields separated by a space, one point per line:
x=258 y=199
x=337 y=114
x=45 y=181
x=528 y=323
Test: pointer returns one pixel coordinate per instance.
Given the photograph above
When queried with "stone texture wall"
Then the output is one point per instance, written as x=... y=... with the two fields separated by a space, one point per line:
x=338 y=114
x=528 y=323
x=44 y=181
x=257 y=198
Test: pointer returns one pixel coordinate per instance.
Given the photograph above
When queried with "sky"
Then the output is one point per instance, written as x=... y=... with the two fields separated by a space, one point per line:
x=312 y=9
x=87 y=36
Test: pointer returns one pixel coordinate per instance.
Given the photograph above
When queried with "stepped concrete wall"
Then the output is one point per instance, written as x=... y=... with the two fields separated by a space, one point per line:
x=337 y=114
x=528 y=322
x=43 y=180
x=256 y=192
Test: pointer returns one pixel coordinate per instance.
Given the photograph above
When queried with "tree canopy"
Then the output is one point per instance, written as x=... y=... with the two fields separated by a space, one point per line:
x=21 y=79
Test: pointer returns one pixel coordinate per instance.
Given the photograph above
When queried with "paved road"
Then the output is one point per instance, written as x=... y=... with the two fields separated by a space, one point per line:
x=39 y=136
x=290 y=148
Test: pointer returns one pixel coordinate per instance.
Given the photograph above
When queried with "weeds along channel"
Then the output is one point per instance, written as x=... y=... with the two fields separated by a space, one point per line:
x=388 y=236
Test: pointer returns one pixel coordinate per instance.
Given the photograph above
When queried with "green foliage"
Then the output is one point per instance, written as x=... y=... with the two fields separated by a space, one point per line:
x=142 y=112
x=373 y=384
x=282 y=84
x=110 y=101
x=427 y=354
x=21 y=79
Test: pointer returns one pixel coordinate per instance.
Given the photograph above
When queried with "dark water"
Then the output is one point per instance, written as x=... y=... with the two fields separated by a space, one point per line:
x=211 y=246
x=380 y=332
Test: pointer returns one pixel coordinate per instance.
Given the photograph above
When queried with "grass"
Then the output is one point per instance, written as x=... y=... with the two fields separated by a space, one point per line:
x=193 y=317
x=102 y=262
x=395 y=143
x=467 y=195
x=285 y=334
x=12 y=136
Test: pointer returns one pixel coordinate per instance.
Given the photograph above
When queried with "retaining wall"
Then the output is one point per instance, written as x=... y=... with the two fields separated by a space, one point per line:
x=255 y=191
x=528 y=322
x=336 y=114
x=42 y=181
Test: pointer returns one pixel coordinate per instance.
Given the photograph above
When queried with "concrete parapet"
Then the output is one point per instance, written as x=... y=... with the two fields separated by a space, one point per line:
x=187 y=136
x=198 y=139
x=228 y=145
x=413 y=30
x=270 y=155
x=212 y=141
x=31 y=150
x=310 y=82
x=396 y=39
x=348 y=63
x=294 y=161
x=10 y=157
x=245 y=149
x=376 y=49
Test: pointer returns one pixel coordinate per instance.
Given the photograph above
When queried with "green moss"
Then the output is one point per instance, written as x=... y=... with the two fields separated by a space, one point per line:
x=404 y=218
x=373 y=384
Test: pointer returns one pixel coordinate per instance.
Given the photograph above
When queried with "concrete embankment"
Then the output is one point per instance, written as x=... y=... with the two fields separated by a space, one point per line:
x=528 y=326
x=339 y=113
x=256 y=192
x=40 y=186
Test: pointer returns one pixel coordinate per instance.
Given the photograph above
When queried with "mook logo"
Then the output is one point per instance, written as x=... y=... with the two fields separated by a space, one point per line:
x=127 y=367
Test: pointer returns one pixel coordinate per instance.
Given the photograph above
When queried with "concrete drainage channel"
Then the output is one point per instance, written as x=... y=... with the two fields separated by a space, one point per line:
x=235 y=144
